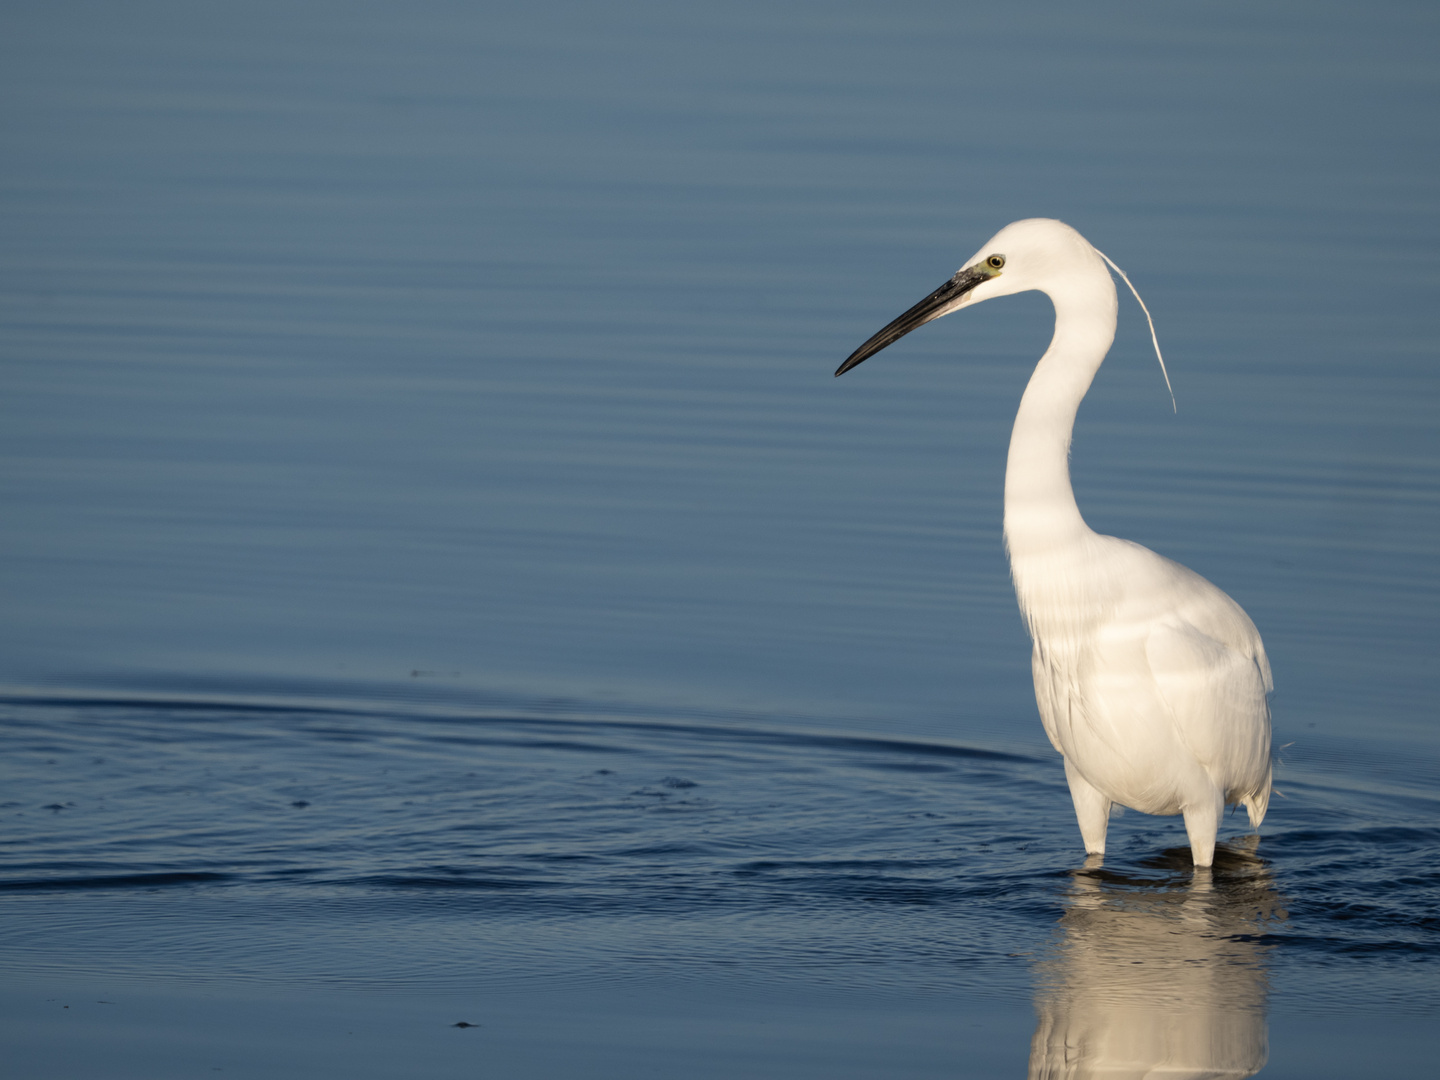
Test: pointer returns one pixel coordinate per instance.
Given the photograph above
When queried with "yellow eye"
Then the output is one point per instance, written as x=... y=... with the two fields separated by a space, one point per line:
x=995 y=262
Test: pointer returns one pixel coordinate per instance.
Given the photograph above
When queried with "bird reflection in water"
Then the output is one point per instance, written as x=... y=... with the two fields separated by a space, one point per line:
x=1160 y=976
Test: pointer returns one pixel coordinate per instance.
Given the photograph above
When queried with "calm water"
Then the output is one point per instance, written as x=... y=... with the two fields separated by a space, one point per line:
x=443 y=583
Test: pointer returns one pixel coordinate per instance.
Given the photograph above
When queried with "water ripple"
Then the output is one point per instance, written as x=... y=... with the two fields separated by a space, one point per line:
x=375 y=847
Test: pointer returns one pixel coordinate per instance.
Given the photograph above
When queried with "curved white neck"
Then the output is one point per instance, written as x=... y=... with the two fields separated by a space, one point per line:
x=1041 y=518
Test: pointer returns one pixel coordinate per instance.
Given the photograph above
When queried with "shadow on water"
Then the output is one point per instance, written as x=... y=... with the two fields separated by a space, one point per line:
x=1159 y=974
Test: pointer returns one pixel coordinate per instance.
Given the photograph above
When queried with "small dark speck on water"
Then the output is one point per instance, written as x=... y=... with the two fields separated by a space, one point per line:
x=678 y=782
x=463 y=1024
x=300 y=803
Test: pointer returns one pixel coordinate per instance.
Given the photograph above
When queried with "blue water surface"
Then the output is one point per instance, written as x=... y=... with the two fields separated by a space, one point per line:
x=442 y=582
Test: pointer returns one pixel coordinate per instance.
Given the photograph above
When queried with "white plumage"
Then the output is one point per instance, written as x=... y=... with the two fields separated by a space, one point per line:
x=1150 y=681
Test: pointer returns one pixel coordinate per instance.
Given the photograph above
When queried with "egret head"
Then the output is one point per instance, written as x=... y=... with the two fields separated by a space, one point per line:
x=1037 y=253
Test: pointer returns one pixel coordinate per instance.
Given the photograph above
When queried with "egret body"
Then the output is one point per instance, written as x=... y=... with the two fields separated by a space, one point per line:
x=1151 y=682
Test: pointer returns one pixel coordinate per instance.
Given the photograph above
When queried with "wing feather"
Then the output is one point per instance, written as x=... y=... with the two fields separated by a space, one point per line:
x=1215 y=694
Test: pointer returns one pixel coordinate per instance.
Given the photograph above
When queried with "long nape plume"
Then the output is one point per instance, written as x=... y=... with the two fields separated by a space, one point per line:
x=1153 y=338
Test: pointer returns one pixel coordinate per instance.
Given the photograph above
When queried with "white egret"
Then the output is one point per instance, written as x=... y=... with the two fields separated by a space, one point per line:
x=1151 y=682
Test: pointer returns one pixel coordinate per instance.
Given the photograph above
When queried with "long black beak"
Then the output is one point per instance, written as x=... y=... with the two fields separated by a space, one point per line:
x=932 y=307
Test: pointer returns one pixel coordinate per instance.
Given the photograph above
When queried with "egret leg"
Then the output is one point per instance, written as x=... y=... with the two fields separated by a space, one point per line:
x=1092 y=810
x=1202 y=822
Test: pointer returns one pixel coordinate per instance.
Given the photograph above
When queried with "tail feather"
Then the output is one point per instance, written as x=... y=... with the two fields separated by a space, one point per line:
x=1258 y=801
